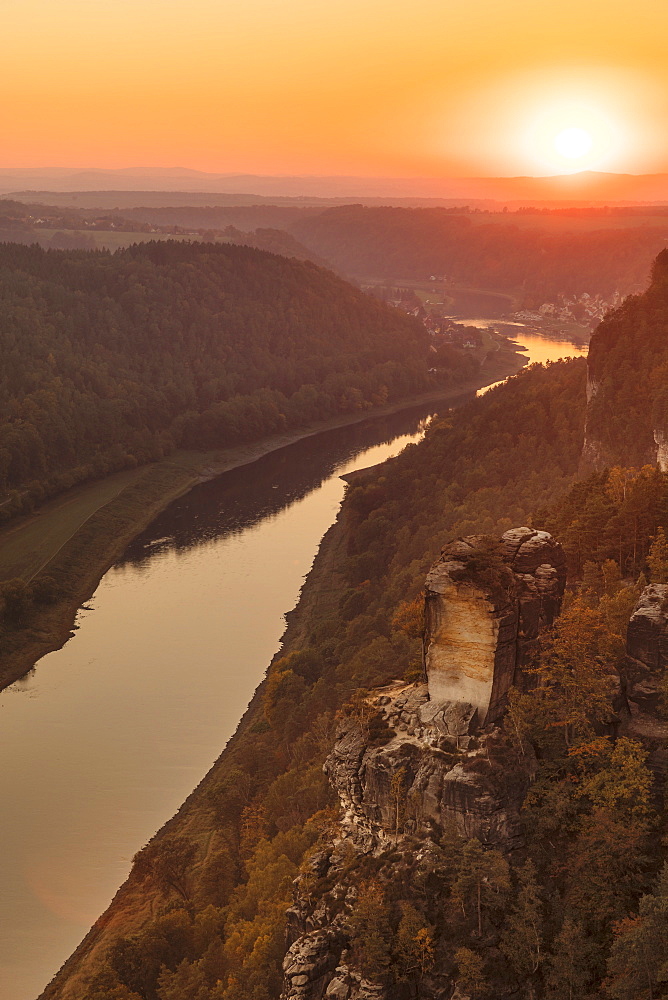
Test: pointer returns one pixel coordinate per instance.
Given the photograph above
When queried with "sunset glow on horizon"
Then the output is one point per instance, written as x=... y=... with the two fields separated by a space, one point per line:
x=377 y=89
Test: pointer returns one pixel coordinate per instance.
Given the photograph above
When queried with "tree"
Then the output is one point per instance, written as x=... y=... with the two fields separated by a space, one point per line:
x=398 y=796
x=470 y=973
x=409 y=617
x=615 y=776
x=638 y=962
x=413 y=944
x=482 y=882
x=187 y=982
x=168 y=861
x=522 y=938
x=568 y=967
x=657 y=560
x=370 y=932
x=574 y=669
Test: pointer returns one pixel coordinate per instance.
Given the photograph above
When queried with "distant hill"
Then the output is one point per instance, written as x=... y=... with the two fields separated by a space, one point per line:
x=395 y=243
x=584 y=187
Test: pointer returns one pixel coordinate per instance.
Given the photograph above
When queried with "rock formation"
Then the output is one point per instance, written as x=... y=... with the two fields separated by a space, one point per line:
x=647 y=648
x=484 y=610
x=419 y=762
x=419 y=776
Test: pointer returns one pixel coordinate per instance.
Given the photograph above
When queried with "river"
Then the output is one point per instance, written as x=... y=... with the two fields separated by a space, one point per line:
x=103 y=740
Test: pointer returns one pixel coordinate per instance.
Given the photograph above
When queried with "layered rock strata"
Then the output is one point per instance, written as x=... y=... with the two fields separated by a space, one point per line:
x=484 y=611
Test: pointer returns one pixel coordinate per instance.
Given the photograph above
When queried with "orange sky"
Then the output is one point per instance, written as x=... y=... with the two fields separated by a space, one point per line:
x=421 y=88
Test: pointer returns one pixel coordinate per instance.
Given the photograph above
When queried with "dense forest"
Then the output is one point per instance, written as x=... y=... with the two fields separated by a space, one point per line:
x=113 y=360
x=393 y=243
x=90 y=229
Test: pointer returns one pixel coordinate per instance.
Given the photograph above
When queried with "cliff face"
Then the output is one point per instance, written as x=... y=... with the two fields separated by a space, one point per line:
x=418 y=763
x=647 y=648
x=482 y=620
x=445 y=775
x=429 y=776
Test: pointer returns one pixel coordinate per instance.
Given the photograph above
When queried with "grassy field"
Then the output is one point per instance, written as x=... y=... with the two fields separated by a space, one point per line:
x=28 y=544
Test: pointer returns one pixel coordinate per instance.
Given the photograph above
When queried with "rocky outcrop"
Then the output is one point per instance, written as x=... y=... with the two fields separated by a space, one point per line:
x=448 y=779
x=647 y=648
x=484 y=611
x=661 y=441
x=413 y=776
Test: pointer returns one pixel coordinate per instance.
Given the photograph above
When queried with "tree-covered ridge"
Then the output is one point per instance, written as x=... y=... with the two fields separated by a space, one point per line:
x=418 y=242
x=628 y=366
x=109 y=360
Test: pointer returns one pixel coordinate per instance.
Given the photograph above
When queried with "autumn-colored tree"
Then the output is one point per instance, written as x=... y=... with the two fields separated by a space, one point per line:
x=413 y=944
x=253 y=828
x=575 y=669
x=615 y=776
x=470 y=973
x=168 y=861
x=409 y=617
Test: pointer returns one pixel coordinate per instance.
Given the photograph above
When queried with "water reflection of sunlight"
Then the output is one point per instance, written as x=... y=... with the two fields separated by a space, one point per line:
x=540 y=348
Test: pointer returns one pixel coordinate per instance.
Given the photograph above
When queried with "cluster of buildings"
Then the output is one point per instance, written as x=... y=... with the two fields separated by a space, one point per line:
x=586 y=309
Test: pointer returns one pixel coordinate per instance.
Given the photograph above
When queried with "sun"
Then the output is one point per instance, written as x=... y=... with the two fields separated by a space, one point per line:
x=573 y=143
x=569 y=136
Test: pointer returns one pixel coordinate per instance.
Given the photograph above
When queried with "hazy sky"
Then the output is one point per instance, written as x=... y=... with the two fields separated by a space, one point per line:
x=417 y=88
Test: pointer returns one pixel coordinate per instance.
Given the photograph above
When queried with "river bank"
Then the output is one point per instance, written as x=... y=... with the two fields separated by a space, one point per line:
x=103 y=534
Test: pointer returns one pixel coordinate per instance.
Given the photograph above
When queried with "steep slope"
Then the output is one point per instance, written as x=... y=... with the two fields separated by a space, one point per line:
x=627 y=384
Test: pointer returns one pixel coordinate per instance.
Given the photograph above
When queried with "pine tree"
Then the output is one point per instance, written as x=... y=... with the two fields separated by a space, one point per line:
x=482 y=882
x=522 y=939
x=370 y=931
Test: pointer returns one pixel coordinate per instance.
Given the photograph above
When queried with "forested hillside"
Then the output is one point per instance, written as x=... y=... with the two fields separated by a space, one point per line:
x=394 y=243
x=628 y=371
x=113 y=360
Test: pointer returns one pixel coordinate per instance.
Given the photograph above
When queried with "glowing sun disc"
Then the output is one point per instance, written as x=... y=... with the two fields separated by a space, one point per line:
x=573 y=143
